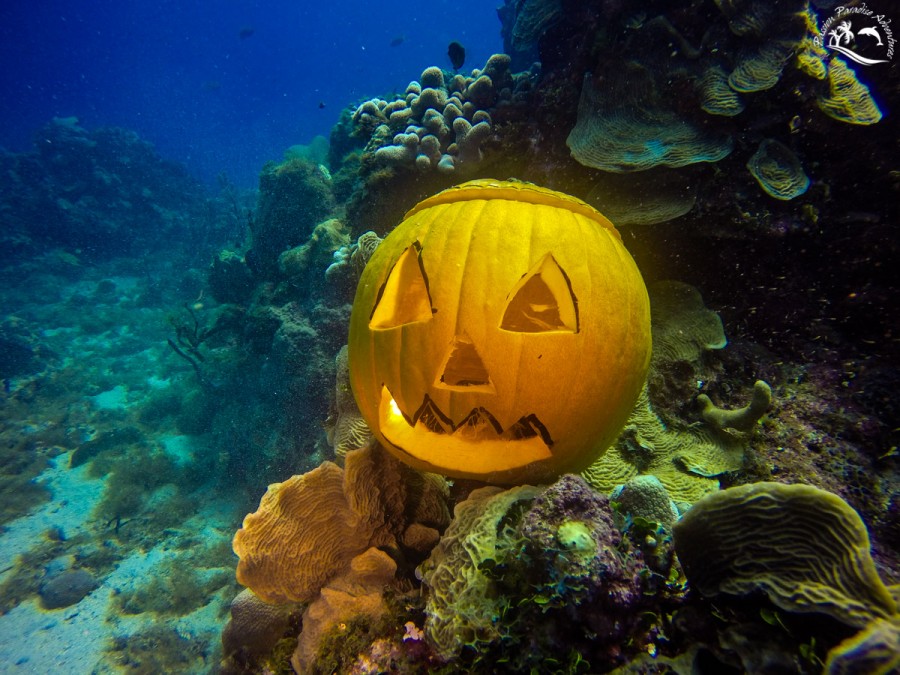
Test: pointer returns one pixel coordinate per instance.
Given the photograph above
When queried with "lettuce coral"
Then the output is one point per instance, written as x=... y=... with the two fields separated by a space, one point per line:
x=806 y=548
x=308 y=528
x=461 y=609
x=848 y=99
x=778 y=171
x=626 y=125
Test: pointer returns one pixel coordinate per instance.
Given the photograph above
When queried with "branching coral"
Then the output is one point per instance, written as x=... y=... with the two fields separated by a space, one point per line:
x=742 y=419
x=441 y=123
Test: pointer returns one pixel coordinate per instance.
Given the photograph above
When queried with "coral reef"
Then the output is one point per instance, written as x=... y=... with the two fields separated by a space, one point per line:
x=625 y=127
x=439 y=124
x=355 y=595
x=460 y=609
x=101 y=193
x=348 y=430
x=253 y=630
x=535 y=567
x=644 y=496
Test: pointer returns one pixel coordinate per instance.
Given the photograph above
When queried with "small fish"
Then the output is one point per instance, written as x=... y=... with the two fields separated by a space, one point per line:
x=321 y=105
x=246 y=32
x=397 y=41
x=457 y=54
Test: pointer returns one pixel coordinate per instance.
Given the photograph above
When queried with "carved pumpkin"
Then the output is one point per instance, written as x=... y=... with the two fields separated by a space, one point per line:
x=501 y=332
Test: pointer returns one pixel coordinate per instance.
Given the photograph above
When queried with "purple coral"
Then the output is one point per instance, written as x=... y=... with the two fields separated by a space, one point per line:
x=595 y=583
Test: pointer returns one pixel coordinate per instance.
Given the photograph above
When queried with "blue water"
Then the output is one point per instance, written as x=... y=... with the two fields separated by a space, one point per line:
x=181 y=75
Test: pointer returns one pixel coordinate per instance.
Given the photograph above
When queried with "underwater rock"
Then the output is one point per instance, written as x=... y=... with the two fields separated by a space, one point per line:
x=294 y=196
x=66 y=588
x=229 y=278
x=306 y=262
x=254 y=628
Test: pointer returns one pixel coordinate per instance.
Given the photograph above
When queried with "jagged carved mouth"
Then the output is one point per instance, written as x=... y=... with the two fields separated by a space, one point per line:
x=476 y=445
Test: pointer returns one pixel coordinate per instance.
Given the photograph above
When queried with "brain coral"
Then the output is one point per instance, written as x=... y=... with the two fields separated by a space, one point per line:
x=625 y=125
x=806 y=548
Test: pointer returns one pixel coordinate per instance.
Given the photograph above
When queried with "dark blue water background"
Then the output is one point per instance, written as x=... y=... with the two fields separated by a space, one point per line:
x=181 y=75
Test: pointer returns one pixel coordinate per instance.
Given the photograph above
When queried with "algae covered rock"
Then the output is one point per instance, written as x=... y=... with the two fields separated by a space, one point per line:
x=293 y=197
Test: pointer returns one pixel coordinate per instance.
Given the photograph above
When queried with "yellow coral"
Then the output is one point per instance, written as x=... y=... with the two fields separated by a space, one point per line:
x=309 y=528
x=848 y=99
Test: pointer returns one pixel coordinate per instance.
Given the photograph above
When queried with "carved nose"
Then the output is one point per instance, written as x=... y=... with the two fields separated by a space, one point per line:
x=463 y=369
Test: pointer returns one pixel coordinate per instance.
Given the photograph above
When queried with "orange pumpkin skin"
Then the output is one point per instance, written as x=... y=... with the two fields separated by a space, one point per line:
x=501 y=333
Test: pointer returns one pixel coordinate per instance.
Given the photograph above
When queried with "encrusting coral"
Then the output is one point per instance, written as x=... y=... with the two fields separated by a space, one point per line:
x=806 y=548
x=684 y=458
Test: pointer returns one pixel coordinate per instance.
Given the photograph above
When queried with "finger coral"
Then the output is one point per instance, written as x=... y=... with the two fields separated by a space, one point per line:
x=805 y=548
x=440 y=123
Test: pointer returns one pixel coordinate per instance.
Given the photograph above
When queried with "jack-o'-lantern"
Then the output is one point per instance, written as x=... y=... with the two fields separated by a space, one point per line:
x=501 y=332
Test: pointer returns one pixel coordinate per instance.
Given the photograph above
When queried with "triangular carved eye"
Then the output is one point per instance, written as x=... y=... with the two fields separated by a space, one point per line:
x=542 y=301
x=404 y=297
